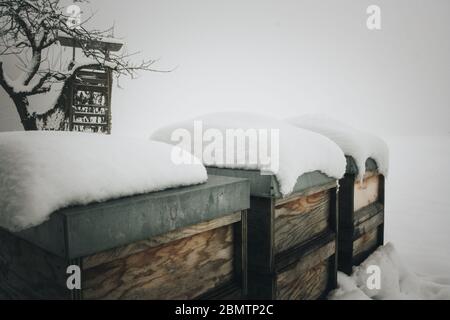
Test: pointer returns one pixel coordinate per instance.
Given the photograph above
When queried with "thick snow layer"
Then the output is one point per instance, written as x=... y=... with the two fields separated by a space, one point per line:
x=398 y=282
x=298 y=151
x=355 y=143
x=41 y=172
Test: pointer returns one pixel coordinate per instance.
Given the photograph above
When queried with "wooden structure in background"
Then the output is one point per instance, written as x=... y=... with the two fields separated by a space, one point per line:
x=89 y=91
x=185 y=243
x=89 y=102
x=292 y=240
x=361 y=215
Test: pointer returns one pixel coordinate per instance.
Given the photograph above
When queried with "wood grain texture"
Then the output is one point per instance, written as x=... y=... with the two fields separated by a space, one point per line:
x=301 y=219
x=136 y=247
x=309 y=254
x=306 y=192
x=366 y=192
x=182 y=269
x=368 y=225
x=367 y=212
x=310 y=284
x=367 y=242
x=28 y=272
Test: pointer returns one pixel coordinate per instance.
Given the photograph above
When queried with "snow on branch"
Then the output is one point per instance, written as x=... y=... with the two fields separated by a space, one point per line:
x=28 y=28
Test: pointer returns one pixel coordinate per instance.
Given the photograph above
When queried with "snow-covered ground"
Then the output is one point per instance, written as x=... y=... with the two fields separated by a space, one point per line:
x=418 y=202
x=385 y=276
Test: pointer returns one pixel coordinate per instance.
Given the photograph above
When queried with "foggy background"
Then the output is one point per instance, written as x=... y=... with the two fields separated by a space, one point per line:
x=290 y=57
x=282 y=58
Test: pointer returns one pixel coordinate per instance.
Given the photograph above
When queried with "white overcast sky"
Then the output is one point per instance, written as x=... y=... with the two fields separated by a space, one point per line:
x=282 y=58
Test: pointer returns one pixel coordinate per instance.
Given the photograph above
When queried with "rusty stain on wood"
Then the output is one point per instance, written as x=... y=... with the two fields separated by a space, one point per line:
x=366 y=192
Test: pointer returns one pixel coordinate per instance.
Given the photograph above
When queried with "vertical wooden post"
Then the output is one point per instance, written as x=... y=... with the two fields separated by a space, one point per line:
x=346 y=227
x=70 y=104
x=334 y=224
x=381 y=190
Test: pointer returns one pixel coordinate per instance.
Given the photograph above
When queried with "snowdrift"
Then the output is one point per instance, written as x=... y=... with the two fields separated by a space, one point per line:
x=299 y=151
x=358 y=144
x=41 y=172
x=398 y=282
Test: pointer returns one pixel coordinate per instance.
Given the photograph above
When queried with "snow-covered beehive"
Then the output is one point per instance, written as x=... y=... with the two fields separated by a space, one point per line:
x=361 y=190
x=292 y=219
x=137 y=225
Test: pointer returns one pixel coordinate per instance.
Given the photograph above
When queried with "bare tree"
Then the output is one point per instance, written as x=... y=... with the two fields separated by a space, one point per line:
x=28 y=29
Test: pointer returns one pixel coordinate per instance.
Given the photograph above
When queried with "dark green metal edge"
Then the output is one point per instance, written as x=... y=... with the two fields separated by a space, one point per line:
x=267 y=186
x=83 y=230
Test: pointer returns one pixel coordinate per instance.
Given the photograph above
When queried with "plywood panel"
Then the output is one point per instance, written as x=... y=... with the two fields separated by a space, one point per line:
x=182 y=269
x=301 y=219
x=139 y=246
x=366 y=242
x=306 y=285
x=366 y=192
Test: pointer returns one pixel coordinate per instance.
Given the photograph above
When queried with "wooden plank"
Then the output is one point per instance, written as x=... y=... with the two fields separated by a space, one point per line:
x=87 y=124
x=367 y=212
x=366 y=192
x=88 y=114
x=368 y=225
x=104 y=44
x=183 y=269
x=91 y=106
x=139 y=246
x=299 y=284
x=99 y=74
x=228 y=291
x=301 y=219
x=28 y=272
x=308 y=255
x=90 y=88
x=367 y=242
x=304 y=193
x=91 y=81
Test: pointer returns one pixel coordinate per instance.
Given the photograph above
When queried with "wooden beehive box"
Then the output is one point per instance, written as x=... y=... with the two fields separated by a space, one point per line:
x=291 y=240
x=361 y=215
x=183 y=243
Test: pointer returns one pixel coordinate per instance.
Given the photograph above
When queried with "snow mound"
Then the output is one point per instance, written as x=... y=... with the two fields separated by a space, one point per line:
x=295 y=151
x=397 y=282
x=358 y=144
x=41 y=172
